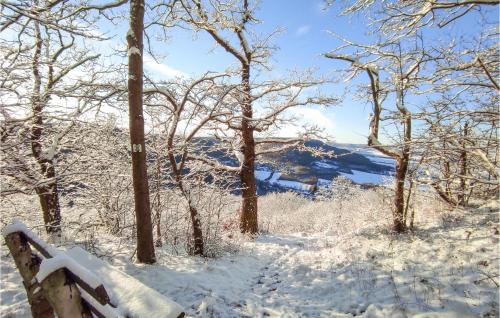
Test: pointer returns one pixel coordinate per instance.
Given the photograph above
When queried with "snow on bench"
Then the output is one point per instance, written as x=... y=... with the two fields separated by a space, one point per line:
x=106 y=291
x=133 y=298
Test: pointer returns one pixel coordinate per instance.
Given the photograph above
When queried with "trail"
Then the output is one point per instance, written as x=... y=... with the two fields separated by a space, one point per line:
x=367 y=274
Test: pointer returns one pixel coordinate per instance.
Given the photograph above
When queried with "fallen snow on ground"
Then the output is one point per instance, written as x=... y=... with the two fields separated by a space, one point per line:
x=361 y=177
x=382 y=160
x=274 y=177
x=296 y=185
x=132 y=298
x=262 y=174
x=445 y=268
x=325 y=165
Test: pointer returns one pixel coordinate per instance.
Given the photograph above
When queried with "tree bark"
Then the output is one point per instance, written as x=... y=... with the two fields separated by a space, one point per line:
x=158 y=242
x=145 y=245
x=51 y=209
x=402 y=161
x=399 y=225
x=198 y=246
x=463 y=169
x=47 y=193
x=248 y=212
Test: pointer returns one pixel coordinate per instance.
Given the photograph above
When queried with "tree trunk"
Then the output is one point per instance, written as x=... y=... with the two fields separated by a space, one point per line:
x=402 y=162
x=145 y=245
x=49 y=201
x=248 y=212
x=198 y=247
x=463 y=169
x=158 y=201
x=47 y=193
x=399 y=225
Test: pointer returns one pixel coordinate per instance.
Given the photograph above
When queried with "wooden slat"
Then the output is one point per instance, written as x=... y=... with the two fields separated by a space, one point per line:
x=94 y=310
x=37 y=246
x=99 y=293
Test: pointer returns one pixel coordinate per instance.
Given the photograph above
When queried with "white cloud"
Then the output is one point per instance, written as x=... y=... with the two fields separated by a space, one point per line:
x=162 y=69
x=307 y=117
x=303 y=30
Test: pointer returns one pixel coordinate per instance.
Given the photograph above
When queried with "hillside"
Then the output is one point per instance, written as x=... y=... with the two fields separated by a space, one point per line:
x=302 y=171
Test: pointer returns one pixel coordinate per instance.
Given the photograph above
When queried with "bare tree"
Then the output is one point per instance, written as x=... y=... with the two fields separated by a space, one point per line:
x=189 y=108
x=145 y=246
x=44 y=92
x=459 y=118
x=230 y=27
x=401 y=70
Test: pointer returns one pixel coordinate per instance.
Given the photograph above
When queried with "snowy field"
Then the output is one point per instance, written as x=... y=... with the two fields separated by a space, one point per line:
x=361 y=177
x=315 y=260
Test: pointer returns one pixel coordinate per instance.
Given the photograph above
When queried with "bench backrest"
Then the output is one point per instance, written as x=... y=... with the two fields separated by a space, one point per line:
x=46 y=278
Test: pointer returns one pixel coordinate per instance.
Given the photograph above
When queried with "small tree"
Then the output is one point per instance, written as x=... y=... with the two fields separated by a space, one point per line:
x=188 y=108
x=43 y=93
x=402 y=71
x=461 y=115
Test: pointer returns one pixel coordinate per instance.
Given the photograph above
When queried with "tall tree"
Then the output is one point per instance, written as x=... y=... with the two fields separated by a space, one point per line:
x=461 y=89
x=145 y=245
x=229 y=25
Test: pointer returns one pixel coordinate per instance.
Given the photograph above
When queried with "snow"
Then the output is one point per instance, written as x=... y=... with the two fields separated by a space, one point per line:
x=61 y=260
x=386 y=161
x=107 y=310
x=134 y=50
x=133 y=298
x=325 y=165
x=17 y=226
x=441 y=269
x=274 y=177
x=299 y=186
x=361 y=177
x=130 y=33
x=313 y=275
x=262 y=174
x=13 y=301
x=322 y=182
x=122 y=289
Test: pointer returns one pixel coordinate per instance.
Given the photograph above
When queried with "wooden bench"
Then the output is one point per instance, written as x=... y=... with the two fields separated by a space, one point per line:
x=74 y=283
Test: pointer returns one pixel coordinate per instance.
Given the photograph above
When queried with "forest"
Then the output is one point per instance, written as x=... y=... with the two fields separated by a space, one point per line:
x=206 y=190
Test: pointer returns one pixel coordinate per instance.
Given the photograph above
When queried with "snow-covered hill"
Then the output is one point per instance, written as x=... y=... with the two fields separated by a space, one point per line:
x=304 y=173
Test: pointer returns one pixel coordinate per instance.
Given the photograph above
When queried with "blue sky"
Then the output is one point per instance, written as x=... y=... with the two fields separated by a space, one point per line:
x=300 y=45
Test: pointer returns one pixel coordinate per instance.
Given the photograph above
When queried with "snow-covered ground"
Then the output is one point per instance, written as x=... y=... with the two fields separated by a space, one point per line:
x=356 y=176
x=325 y=165
x=448 y=267
x=262 y=175
x=361 y=177
x=295 y=185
